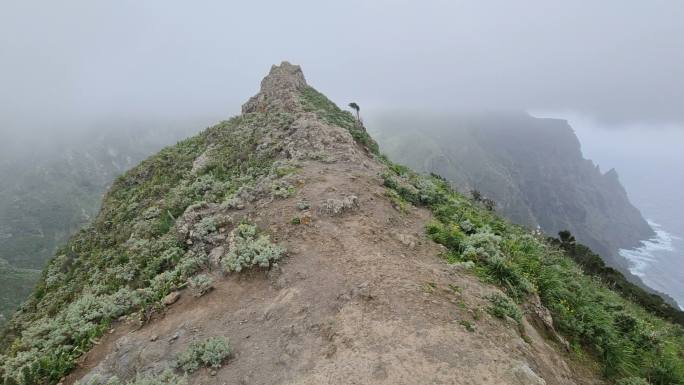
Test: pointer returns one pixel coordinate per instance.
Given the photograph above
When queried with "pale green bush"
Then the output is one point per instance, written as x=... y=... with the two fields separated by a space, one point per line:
x=123 y=273
x=282 y=189
x=337 y=206
x=466 y=226
x=200 y=284
x=209 y=189
x=205 y=227
x=151 y=213
x=164 y=282
x=54 y=275
x=247 y=249
x=232 y=203
x=482 y=246
x=502 y=307
x=209 y=353
x=191 y=264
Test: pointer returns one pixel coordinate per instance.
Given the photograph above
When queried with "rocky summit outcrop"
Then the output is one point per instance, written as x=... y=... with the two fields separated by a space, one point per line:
x=279 y=248
x=279 y=90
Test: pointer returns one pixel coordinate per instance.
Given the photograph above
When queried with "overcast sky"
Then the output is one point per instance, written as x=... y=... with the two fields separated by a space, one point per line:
x=66 y=63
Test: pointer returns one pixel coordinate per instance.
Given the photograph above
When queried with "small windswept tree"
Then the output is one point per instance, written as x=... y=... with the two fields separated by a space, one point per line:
x=566 y=237
x=356 y=108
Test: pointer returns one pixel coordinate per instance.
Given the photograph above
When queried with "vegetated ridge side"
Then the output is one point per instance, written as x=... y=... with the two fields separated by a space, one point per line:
x=49 y=191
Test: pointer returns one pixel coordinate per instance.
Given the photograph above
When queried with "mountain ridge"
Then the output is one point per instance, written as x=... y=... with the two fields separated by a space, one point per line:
x=279 y=247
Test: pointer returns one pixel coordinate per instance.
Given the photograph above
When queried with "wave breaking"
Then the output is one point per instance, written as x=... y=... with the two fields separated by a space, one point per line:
x=642 y=257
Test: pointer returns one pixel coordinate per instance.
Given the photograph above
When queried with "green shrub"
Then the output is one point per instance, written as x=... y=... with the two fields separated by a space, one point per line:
x=205 y=226
x=502 y=307
x=208 y=353
x=282 y=189
x=247 y=249
x=200 y=284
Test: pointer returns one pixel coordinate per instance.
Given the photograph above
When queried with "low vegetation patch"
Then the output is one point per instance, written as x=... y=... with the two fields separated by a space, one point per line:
x=200 y=284
x=248 y=249
x=503 y=307
x=619 y=330
x=467 y=325
x=211 y=352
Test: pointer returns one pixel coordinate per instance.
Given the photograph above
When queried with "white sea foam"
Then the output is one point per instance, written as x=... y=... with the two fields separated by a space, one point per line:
x=641 y=257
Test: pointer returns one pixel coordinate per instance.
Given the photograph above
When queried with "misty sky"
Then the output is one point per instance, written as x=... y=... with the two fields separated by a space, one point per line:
x=69 y=63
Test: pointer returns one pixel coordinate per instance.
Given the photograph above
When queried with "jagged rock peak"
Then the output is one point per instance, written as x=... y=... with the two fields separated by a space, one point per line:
x=279 y=90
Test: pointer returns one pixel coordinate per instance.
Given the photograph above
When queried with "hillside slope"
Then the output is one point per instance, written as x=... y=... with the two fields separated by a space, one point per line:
x=17 y=285
x=279 y=248
x=533 y=168
x=49 y=190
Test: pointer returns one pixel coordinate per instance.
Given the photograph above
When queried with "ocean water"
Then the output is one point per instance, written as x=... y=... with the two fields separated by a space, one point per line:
x=658 y=262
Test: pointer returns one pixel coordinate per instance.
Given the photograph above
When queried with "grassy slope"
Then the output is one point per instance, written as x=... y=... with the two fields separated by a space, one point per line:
x=627 y=341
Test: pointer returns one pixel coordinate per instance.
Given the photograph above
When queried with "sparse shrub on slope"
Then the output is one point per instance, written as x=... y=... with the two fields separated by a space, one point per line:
x=200 y=284
x=503 y=307
x=629 y=342
x=247 y=248
x=211 y=352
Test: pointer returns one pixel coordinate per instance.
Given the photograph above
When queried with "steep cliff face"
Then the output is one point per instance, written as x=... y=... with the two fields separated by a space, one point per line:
x=533 y=169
